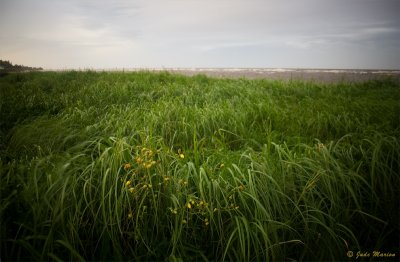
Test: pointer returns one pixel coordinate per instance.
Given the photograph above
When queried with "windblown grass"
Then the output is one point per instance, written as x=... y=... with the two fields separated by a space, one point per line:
x=144 y=166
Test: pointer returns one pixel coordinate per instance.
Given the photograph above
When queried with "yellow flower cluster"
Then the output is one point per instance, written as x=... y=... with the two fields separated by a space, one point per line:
x=189 y=204
x=138 y=170
x=200 y=204
x=141 y=178
x=147 y=186
x=183 y=182
x=320 y=146
x=127 y=166
x=146 y=158
x=174 y=211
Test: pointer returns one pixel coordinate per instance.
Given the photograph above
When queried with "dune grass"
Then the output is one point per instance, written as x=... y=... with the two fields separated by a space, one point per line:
x=156 y=166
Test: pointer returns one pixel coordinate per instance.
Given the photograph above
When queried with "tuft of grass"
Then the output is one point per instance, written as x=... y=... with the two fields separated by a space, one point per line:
x=156 y=166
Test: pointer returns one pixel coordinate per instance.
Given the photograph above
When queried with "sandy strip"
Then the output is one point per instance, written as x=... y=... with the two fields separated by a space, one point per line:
x=315 y=75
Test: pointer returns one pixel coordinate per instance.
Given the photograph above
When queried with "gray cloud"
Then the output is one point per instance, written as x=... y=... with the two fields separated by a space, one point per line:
x=235 y=33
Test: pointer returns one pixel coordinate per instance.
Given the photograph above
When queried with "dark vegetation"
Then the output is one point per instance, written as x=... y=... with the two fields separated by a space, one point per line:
x=8 y=67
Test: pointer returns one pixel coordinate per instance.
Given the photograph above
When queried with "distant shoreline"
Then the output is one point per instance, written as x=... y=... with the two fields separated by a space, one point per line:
x=314 y=75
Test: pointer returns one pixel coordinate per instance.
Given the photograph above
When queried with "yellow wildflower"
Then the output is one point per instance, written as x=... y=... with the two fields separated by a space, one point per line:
x=202 y=204
x=131 y=190
x=320 y=146
x=143 y=150
x=241 y=187
x=127 y=166
x=180 y=153
x=128 y=183
x=221 y=165
x=147 y=152
x=138 y=160
x=188 y=205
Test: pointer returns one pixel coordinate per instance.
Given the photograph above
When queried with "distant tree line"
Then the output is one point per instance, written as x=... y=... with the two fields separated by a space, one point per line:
x=6 y=66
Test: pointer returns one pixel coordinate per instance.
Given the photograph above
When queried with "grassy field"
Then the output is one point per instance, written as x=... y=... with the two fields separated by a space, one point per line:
x=155 y=167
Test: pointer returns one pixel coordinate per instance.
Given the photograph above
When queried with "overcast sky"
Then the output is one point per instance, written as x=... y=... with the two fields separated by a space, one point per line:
x=201 y=33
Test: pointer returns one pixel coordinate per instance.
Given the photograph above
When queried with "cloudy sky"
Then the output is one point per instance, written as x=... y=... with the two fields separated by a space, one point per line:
x=201 y=33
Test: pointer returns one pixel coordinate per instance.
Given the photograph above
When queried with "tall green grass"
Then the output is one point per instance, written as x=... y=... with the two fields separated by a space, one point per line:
x=145 y=166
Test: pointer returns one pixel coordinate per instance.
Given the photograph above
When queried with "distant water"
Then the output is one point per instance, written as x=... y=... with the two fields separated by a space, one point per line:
x=285 y=70
x=315 y=75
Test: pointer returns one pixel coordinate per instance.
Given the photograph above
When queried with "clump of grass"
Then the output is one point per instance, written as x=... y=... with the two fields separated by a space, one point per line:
x=144 y=166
